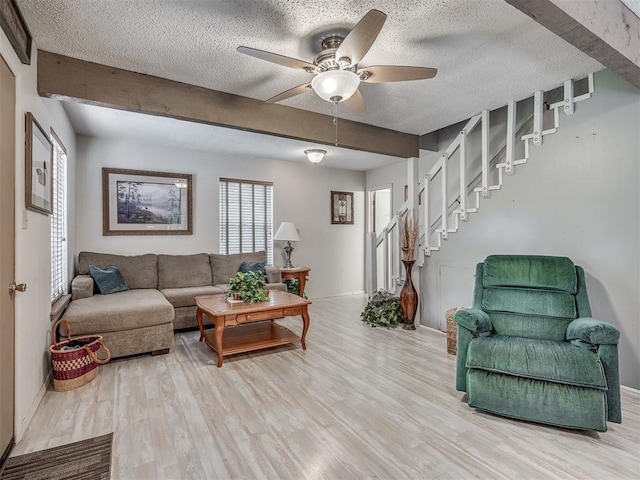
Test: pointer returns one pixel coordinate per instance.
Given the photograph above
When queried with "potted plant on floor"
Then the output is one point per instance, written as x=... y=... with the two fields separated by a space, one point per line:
x=382 y=310
x=248 y=287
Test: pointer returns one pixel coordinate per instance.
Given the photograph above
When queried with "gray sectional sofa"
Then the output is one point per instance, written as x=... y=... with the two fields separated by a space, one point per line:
x=160 y=299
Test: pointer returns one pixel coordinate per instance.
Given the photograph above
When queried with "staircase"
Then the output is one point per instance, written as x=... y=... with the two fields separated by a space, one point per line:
x=466 y=172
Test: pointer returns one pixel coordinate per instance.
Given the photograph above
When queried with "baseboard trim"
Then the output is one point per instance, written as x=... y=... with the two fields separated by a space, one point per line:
x=21 y=427
x=348 y=294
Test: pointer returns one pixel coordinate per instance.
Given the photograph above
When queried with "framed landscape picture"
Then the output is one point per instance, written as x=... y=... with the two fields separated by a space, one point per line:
x=38 y=167
x=137 y=202
x=342 y=208
x=16 y=30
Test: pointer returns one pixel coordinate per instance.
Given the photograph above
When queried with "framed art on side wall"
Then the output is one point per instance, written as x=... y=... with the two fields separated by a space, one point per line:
x=342 y=208
x=38 y=167
x=15 y=28
x=137 y=202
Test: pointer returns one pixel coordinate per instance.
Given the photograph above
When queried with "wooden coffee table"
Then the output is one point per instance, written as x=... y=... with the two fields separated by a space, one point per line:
x=253 y=335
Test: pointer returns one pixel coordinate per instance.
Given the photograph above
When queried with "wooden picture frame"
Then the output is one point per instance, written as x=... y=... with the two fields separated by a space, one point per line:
x=342 y=208
x=38 y=171
x=140 y=202
x=15 y=28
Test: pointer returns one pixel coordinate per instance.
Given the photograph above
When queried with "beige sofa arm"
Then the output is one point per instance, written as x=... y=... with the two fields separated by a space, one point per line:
x=81 y=287
x=273 y=274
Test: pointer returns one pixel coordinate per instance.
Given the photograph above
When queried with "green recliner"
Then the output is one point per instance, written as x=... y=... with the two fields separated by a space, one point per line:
x=529 y=349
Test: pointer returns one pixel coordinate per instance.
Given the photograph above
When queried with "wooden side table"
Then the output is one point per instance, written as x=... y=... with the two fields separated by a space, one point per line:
x=298 y=273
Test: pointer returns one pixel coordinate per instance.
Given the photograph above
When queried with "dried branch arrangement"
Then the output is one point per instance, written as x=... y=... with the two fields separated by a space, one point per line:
x=408 y=237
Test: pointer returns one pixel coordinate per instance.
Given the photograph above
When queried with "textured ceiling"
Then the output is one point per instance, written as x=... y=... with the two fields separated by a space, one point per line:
x=486 y=52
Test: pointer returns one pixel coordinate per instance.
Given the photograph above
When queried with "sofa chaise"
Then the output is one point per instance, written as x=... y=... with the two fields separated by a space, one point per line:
x=160 y=298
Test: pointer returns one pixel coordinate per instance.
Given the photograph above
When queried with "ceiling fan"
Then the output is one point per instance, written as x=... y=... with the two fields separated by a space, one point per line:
x=337 y=73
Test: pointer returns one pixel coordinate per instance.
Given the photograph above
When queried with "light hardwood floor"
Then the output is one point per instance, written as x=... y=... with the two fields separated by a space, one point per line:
x=360 y=403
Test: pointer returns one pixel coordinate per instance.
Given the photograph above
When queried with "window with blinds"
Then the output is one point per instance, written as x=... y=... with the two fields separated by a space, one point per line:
x=246 y=217
x=59 y=220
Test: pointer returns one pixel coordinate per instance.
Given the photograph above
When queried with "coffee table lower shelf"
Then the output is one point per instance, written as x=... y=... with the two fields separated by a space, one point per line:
x=250 y=337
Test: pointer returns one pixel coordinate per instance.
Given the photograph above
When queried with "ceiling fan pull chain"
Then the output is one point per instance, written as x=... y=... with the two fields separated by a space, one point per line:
x=335 y=119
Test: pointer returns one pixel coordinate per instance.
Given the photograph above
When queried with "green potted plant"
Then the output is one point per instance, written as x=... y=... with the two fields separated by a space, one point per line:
x=382 y=310
x=248 y=287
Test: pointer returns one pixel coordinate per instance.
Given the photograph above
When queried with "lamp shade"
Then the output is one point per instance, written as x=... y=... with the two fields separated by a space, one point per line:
x=287 y=232
x=335 y=85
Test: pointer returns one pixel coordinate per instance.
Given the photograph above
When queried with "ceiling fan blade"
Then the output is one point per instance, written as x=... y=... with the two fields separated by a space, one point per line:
x=292 y=92
x=395 y=73
x=359 y=40
x=279 y=59
x=355 y=102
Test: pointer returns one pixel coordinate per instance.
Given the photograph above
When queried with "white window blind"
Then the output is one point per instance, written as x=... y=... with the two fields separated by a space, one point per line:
x=246 y=217
x=59 y=221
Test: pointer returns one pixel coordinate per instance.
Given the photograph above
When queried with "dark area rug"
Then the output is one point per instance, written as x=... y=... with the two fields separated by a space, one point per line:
x=85 y=460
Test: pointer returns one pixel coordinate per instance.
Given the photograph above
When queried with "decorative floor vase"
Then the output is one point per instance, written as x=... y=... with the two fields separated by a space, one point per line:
x=408 y=297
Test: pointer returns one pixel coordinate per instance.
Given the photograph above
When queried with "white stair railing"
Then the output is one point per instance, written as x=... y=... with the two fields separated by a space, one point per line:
x=432 y=233
x=449 y=223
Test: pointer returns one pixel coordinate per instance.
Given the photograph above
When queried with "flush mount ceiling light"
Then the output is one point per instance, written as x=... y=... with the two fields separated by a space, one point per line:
x=335 y=85
x=315 y=155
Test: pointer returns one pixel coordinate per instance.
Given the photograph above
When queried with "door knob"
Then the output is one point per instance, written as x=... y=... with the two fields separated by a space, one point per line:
x=20 y=287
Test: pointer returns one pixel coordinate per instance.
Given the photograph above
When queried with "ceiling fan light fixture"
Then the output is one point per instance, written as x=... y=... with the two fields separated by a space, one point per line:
x=335 y=85
x=315 y=155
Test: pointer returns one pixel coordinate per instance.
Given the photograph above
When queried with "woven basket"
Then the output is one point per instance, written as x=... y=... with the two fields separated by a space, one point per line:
x=452 y=332
x=75 y=367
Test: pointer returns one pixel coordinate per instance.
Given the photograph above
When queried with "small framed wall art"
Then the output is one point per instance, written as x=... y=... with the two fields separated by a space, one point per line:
x=342 y=208
x=137 y=202
x=38 y=167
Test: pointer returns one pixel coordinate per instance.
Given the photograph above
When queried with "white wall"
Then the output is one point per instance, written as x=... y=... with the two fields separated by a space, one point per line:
x=335 y=253
x=395 y=176
x=577 y=197
x=33 y=256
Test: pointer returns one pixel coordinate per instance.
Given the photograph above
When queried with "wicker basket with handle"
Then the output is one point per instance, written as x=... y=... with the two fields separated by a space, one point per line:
x=78 y=365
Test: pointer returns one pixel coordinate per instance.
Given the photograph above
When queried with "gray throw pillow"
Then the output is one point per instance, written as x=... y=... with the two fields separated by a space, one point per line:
x=246 y=267
x=108 y=280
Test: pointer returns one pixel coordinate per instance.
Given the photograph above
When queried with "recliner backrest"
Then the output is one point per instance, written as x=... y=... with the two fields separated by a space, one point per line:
x=529 y=296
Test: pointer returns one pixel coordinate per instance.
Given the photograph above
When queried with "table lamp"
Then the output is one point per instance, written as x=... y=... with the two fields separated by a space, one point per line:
x=287 y=232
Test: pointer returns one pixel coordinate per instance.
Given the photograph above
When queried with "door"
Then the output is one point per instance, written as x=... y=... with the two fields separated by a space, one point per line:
x=379 y=217
x=7 y=254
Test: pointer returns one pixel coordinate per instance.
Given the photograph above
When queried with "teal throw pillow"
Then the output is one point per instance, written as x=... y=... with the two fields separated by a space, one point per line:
x=246 y=267
x=108 y=280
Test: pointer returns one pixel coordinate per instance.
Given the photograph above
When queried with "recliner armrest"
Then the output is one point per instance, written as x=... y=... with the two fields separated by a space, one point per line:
x=81 y=287
x=592 y=331
x=474 y=320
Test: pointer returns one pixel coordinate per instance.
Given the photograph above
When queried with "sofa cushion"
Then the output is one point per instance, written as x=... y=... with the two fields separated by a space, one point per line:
x=530 y=271
x=185 y=297
x=558 y=362
x=224 y=267
x=258 y=267
x=108 y=280
x=139 y=271
x=176 y=271
x=120 y=311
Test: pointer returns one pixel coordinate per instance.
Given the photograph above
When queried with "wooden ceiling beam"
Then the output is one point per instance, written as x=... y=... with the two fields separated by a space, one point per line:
x=68 y=78
x=606 y=31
